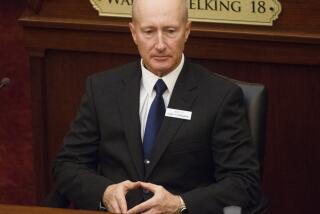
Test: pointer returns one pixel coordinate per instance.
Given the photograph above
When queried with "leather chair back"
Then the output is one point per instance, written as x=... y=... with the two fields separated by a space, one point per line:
x=255 y=96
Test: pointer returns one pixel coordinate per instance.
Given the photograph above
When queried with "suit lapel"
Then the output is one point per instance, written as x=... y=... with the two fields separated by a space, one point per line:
x=184 y=93
x=129 y=109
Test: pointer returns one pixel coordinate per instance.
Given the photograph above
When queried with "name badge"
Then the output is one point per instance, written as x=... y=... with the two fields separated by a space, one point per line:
x=176 y=113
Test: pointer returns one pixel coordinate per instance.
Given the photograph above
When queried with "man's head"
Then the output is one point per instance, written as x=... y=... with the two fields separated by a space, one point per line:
x=160 y=29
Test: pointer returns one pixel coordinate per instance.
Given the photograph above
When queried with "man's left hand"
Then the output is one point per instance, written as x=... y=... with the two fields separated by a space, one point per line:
x=161 y=202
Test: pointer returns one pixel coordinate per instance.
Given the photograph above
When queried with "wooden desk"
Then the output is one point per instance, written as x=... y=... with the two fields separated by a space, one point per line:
x=17 y=209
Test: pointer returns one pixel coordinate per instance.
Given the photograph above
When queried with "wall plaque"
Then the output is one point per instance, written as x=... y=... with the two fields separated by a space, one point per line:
x=251 y=12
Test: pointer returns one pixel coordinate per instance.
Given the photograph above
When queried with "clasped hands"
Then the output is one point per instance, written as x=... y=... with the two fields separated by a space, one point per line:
x=161 y=202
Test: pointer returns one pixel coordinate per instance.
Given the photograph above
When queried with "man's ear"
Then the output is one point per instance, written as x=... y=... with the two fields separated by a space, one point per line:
x=133 y=32
x=188 y=29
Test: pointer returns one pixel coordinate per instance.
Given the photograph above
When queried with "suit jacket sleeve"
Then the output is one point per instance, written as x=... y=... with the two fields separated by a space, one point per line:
x=75 y=168
x=235 y=162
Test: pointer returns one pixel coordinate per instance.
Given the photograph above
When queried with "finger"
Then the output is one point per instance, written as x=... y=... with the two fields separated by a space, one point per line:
x=129 y=185
x=122 y=203
x=114 y=198
x=149 y=186
x=151 y=211
x=143 y=207
x=120 y=196
x=113 y=207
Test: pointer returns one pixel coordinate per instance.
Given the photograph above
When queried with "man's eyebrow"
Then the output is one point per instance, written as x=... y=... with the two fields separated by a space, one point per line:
x=171 y=26
x=147 y=26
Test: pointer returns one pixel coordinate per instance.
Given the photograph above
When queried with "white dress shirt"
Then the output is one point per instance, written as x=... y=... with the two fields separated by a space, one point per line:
x=147 y=93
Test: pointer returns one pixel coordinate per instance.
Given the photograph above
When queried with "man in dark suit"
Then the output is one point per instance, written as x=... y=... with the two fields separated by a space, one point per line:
x=161 y=135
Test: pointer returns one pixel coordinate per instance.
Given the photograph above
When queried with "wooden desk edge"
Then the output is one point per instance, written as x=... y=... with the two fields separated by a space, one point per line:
x=17 y=209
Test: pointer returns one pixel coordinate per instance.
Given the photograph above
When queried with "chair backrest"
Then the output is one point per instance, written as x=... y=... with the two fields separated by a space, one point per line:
x=255 y=96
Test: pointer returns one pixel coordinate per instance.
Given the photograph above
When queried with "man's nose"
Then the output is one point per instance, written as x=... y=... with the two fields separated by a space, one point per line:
x=160 y=43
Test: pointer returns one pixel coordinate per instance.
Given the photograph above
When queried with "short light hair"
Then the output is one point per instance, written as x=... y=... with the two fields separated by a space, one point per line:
x=185 y=9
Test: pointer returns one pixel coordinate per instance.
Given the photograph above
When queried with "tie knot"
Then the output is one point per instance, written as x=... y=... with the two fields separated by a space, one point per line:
x=160 y=87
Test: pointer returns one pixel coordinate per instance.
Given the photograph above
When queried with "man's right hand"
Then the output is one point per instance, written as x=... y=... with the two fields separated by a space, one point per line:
x=114 y=196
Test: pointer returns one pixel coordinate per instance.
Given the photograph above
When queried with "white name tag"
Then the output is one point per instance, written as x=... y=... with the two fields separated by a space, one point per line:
x=176 y=113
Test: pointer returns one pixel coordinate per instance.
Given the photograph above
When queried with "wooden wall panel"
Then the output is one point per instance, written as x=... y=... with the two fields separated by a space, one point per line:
x=16 y=151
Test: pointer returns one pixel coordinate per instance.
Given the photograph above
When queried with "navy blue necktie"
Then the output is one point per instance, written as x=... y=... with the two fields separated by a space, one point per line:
x=155 y=118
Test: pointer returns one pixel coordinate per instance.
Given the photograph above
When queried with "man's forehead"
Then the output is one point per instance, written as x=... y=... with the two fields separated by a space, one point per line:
x=162 y=26
x=157 y=7
x=159 y=19
x=159 y=2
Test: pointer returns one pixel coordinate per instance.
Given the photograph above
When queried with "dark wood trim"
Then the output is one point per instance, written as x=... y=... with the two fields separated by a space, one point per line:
x=39 y=121
x=198 y=29
x=225 y=44
x=35 y=5
x=219 y=48
x=17 y=209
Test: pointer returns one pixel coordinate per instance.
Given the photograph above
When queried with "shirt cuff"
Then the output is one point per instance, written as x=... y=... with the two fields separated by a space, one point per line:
x=102 y=207
x=232 y=210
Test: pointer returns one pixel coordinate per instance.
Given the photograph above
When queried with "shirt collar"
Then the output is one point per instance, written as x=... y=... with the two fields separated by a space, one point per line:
x=149 y=79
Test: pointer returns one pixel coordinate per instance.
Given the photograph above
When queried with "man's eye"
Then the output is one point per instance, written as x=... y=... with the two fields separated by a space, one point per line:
x=148 y=32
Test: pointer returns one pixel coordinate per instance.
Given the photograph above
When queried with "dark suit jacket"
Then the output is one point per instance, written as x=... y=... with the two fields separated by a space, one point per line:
x=209 y=160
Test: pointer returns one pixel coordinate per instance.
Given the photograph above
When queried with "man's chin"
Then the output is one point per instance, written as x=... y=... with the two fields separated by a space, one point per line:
x=161 y=66
x=161 y=71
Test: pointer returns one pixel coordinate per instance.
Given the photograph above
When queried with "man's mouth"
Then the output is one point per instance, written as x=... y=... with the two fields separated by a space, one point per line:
x=160 y=57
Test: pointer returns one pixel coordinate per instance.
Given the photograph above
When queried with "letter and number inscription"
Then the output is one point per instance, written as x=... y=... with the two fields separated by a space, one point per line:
x=251 y=12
